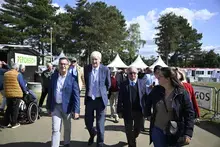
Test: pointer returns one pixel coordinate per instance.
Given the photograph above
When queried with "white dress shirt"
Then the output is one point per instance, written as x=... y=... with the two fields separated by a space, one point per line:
x=130 y=82
x=59 y=89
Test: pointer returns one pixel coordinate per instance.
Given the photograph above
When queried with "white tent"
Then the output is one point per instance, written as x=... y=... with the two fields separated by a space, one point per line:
x=117 y=62
x=160 y=62
x=138 y=63
x=56 y=61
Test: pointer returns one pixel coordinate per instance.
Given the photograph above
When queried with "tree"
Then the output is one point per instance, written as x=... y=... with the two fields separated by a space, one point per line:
x=166 y=38
x=177 y=39
x=134 y=42
x=208 y=59
x=97 y=26
x=40 y=18
x=189 y=42
x=12 y=22
x=149 y=61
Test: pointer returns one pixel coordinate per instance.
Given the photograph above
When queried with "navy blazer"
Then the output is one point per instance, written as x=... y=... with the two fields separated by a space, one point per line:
x=70 y=94
x=104 y=81
x=125 y=101
x=4 y=69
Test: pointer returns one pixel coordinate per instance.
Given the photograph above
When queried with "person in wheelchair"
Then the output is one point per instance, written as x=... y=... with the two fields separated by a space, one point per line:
x=28 y=109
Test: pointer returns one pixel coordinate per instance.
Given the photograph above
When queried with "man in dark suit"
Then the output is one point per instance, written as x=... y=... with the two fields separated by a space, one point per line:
x=97 y=82
x=63 y=101
x=132 y=95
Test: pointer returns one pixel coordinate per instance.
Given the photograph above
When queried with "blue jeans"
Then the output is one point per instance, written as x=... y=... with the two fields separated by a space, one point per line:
x=158 y=137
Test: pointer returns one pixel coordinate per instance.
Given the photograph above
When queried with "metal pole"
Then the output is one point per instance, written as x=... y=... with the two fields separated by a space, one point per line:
x=51 y=43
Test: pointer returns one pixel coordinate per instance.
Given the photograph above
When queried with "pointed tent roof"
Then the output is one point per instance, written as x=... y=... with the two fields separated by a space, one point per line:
x=56 y=61
x=117 y=62
x=159 y=61
x=138 y=63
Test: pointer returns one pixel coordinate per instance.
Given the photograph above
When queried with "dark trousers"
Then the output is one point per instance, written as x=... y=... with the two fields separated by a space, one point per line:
x=98 y=106
x=133 y=127
x=43 y=95
x=11 y=114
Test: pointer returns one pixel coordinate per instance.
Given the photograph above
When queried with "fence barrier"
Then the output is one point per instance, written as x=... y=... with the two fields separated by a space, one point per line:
x=208 y=98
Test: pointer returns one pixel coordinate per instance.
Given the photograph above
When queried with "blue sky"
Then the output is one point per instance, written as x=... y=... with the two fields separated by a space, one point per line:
x=204 y=15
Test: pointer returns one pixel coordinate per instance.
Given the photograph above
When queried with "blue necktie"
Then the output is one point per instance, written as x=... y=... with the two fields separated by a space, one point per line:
x=94 y=85
x=132 y=83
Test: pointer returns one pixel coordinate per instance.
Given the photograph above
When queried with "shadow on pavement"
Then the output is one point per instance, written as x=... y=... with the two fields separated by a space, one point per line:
x=115 y=128
x=210 y=126
x=122 y=129
x=47 y=144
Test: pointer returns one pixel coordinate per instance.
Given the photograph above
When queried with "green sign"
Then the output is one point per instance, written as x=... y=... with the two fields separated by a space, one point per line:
x=26 y=60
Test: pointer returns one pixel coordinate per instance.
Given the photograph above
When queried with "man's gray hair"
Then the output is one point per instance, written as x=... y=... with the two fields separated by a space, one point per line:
x=96 y=54
x=22 y=66
x=49 y=64
x=15 y=66
x=133 y=68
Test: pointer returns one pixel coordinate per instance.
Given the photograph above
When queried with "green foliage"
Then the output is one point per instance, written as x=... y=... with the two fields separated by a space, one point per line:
x=177 y=40
x=97 y=26
x=207 y=59
x=133 y=42
x=12 y=22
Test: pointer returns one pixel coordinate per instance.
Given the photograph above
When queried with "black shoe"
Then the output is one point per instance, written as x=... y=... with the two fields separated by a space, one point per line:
x=67 y=145
x=91 y=139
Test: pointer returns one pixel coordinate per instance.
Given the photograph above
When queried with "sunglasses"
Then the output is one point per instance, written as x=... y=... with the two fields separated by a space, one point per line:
x=74 y=61
x=132 y=73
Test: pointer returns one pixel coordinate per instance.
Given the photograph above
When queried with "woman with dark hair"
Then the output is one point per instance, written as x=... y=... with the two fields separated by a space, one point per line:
x=171 y=123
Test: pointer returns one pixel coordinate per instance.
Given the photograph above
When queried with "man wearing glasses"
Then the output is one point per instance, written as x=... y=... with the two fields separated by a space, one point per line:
x=132 y=95
x=77 y=73
x=63 y=100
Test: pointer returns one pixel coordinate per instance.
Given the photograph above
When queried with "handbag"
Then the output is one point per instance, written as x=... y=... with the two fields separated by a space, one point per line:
x=171 y=130
x=172 y=126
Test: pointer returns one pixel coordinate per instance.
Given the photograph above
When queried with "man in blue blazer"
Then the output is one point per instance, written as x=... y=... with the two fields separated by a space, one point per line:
x=97 y=82
x=63 y=101
x=132 y=95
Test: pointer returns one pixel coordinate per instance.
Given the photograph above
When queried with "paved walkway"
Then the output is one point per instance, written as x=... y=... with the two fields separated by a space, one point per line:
x=39 y=135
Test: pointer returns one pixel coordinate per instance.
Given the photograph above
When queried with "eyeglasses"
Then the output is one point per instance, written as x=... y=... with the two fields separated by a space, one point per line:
x=132 y=73
x=63 y=64
x=74 y=61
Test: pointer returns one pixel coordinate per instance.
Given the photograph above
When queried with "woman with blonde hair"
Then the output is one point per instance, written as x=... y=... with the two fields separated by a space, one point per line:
x=182 y=77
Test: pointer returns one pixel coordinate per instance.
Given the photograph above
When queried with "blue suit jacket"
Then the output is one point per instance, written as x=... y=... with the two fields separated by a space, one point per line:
x=104 y=81
x=70 y=94
x=125 y=101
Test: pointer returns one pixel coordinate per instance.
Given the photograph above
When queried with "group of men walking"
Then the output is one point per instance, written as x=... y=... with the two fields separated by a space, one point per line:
x=126 y=92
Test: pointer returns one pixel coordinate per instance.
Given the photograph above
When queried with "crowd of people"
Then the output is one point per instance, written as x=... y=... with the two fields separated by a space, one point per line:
x=161 y=95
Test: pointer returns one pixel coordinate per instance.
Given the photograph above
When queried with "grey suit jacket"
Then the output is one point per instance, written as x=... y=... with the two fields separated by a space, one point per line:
x=104 y=81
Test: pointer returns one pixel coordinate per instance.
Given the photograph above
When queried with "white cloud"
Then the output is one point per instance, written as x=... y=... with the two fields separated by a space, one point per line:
x=60 y=10
x=190 y=15
x=210 y=47
x=148 y=23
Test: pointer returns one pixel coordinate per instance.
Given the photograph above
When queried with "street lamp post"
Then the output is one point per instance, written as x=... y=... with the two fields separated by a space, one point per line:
x=51 y=43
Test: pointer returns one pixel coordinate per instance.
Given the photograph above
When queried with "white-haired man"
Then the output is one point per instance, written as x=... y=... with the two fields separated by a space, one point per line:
x=131 y=101
x=14 y=87
x=22 y=68
x=97 y=82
